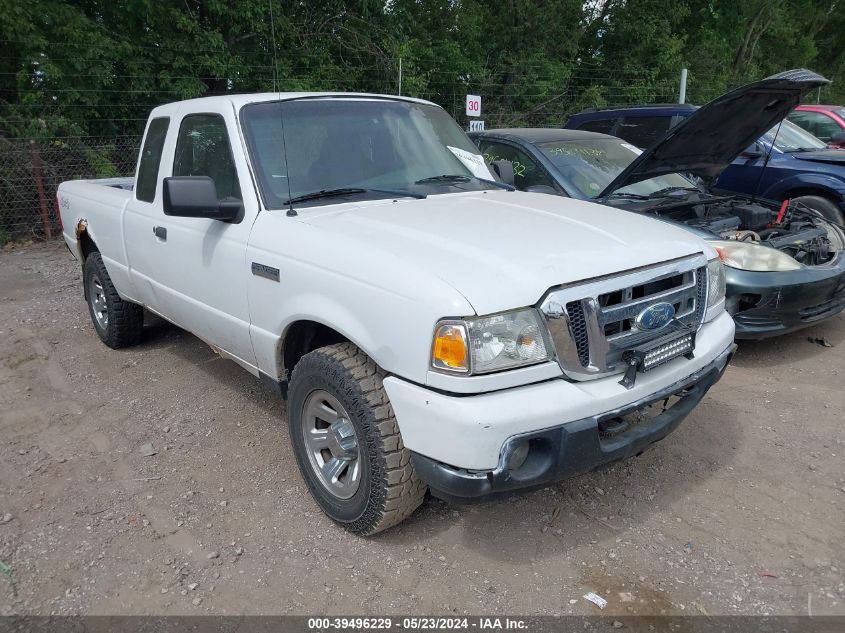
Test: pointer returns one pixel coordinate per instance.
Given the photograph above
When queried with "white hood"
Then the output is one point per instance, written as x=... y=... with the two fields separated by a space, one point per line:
x=502 y=250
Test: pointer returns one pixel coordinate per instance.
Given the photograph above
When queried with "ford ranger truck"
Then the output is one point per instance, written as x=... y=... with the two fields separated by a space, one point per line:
x=430 y=327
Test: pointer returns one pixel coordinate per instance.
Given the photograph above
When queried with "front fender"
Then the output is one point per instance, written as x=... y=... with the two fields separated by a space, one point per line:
x=385 y=304
x=831 y=185
x=333 y=314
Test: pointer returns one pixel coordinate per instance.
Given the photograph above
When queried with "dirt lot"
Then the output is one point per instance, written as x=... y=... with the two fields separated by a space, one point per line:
x=741 y=511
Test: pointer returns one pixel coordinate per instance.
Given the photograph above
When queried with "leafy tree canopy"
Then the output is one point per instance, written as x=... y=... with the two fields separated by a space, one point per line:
x=91 y=67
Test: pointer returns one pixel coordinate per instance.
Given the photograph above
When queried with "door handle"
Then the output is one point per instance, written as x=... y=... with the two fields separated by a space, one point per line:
x=160 y=232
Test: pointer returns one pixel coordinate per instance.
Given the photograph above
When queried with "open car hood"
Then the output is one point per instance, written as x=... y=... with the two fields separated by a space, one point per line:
x=706 y=142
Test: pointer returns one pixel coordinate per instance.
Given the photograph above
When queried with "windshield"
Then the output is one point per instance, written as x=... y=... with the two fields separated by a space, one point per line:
x=590 y=165
x=791 y=138
x=308 y=145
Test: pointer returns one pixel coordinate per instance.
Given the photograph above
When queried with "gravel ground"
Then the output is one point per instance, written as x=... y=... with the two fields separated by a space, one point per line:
x=740 y=511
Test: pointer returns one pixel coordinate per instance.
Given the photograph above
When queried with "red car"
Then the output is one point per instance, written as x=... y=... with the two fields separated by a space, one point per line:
x=826 y=122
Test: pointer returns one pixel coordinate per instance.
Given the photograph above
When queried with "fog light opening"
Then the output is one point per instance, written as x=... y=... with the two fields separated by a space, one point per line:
x=518 y=455
x=613 y=426
x=529 y=458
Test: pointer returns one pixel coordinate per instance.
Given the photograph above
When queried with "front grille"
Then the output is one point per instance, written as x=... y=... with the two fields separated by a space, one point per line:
x=579 y=330
x=599 y=321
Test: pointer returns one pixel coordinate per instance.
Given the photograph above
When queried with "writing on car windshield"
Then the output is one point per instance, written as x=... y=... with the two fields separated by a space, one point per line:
x=590 y=165
x=363 y=146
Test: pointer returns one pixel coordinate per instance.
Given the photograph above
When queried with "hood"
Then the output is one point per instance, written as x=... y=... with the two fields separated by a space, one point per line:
x=706 y=142
x=503 y=250
x=832 y=156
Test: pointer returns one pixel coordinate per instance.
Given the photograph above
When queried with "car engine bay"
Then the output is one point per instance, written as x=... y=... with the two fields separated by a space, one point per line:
x=798 y=231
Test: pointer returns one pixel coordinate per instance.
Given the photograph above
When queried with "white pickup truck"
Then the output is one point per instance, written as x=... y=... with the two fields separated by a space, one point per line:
x=430 y=327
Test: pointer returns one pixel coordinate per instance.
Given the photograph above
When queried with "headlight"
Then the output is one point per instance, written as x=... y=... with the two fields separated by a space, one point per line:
x=482 y=345
x=715 y=282
x=748 y=256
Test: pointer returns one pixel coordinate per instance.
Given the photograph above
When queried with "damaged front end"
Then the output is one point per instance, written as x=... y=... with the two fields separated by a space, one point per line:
x=785 y=265
x=801 y=236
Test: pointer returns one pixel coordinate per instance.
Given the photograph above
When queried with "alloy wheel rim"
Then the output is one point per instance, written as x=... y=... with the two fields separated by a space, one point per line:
x=97 y=298
x=331 y=444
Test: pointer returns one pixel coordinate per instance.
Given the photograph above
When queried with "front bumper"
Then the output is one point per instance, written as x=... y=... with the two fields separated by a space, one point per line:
x=469 y=431
x=574 y=448
x=766 y=304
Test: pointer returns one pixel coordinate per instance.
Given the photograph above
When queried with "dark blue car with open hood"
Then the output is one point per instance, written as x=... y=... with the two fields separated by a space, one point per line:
x=785 y=163
x=785 y=263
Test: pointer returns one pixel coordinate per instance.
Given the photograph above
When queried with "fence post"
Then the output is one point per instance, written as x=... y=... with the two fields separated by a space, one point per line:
x=38 y=177
x=682 y=93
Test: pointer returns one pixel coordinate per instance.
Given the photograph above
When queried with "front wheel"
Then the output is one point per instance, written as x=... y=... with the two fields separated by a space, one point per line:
x=347 y=442
x=118 y=323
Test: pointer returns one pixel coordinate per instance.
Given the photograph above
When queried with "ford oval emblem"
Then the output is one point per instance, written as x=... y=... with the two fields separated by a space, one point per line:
x=655 y=316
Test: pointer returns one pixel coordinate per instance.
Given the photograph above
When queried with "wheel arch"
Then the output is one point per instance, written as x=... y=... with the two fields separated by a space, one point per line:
x=85 y=244
x=806 y=185
x=810 y=191
x=302 y=336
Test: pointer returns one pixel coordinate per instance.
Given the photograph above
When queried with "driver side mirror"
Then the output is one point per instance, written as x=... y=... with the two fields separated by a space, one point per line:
x=196 y=197
x=753 y=152
x=504 y=170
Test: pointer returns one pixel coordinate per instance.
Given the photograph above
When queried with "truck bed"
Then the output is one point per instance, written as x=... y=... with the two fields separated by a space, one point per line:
x=126 y=183
x=96 y=207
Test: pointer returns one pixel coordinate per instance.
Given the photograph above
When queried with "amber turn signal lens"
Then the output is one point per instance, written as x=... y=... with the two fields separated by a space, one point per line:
x=450 y=348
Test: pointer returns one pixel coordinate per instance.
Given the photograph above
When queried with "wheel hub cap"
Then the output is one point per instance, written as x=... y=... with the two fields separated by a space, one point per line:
x=331 y=444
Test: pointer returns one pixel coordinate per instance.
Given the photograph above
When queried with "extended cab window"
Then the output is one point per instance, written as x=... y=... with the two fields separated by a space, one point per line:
x=526 y=172
x=642 y=131
x=145 y=186
x=203 y=149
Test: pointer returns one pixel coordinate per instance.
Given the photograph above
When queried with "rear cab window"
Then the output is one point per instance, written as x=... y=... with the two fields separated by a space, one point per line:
x=147 y=180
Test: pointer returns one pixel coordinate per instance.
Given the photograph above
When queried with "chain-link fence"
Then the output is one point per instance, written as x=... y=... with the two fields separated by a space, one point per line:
x=30 y=172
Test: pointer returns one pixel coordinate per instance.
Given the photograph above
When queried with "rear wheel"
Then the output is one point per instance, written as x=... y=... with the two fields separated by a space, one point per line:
x=118 y=323
x=826 y=207
x=347 y=442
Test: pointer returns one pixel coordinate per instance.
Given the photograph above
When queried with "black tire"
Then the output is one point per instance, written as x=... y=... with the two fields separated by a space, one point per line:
x=389 y=489
x=827 y=208
x=124 y=320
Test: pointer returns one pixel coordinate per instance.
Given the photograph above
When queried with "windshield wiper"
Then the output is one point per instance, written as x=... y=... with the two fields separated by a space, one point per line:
x=667 y=190
x=443 y=178
x=450 y=178
x=623 y=194
x=346 y=191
